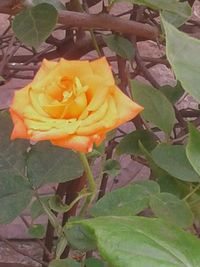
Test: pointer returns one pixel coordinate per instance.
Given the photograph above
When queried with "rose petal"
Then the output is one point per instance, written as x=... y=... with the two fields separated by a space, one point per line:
x=126 y=108
x=64 y=68
x=19 y=130
x=39 y=130
x=45 y=67
x=78 y=143
x=95 y=116
x=101 y=68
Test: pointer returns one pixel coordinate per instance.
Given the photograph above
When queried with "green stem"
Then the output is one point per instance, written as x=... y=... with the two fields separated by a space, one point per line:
x=91 y=183
x=90 y=177
x=192 y=192
x=52 y=218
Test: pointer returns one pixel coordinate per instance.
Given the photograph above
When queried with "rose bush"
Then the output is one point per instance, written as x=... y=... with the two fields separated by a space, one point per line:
x=71 y=103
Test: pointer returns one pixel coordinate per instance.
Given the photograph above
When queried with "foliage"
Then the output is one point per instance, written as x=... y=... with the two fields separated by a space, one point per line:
x=155 y=222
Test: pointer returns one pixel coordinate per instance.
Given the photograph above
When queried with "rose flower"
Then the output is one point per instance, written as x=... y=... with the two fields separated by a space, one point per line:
x=71 y=103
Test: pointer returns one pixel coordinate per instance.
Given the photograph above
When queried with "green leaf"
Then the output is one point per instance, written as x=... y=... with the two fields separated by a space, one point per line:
x=128 y=200
x=37 y=231
x=93 y=262
x=15 y=190
x=112 y=167
x=15 y=195
x=129 y=144
x=120 y=45
x=173 y=159
x=64 y=263
x=182 y=51
x=56 y=3
x=174 y=186
x=80 y=238
x=174 y=11
x=157 y=108
x=57 y=205
x=32 y=26
x=142 y=242
x=171 y=209
x=193 y=148
x=172 y=93
x=36 y=209
x=48 y=163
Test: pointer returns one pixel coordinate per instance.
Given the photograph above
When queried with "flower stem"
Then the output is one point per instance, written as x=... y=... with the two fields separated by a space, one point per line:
x=90 y=177
x=91 y=183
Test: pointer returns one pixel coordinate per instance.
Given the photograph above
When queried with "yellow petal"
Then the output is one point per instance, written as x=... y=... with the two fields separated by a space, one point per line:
x=45 y=67
x=98 y=99
x=54 y=132
x=127 y=109
x=101 y=68
x=95 y=116
x=105 y=124
x=34 y=99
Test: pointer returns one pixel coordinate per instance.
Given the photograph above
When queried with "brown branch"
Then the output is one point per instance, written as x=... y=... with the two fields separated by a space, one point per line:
x=107 y=22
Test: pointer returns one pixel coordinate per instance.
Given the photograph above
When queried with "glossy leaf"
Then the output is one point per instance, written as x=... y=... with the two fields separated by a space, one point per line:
x=30 y=26
x=48 y=163
x=193 y=148
x=128 y=200
x=130 y=143
x=182 y=54
x=157 y=108
x=173 y=159
x=171 y=209
x=120 y=45
x=138 y=241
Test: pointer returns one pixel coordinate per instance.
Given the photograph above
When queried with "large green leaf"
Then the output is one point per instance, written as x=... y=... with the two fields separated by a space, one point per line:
x=15 y=190
x=193 y=148
x=171 y=209
x=33 y=25
x=93 y=262
x=173 y=159
x=128 y=200
x=47 y=163
x=182 y=51
x=15 y=195
x=142 y=242
x=120 y=45
x=157 y=108
x=130 y=143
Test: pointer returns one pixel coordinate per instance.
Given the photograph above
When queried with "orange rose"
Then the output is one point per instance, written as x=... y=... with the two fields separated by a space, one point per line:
x=71 y=103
